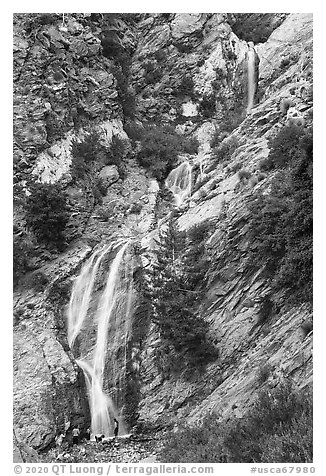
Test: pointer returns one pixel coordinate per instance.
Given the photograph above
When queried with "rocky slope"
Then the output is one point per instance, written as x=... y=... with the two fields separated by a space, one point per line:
x=184 y=66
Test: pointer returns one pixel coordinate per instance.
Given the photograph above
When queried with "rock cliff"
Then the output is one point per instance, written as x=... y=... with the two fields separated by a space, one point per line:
x=188 y=71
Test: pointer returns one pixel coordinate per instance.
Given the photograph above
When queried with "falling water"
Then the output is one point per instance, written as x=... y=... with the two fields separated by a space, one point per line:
x=179 y=182
x=251 y=76
x=81 y=295
x=112 y=314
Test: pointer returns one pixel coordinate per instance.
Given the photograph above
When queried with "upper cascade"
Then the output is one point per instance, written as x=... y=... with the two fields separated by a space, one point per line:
x=179 y=182
x=251 y=76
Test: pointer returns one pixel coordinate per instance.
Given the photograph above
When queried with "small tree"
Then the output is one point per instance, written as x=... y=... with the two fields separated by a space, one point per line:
x=47 y=213
x=183 y=332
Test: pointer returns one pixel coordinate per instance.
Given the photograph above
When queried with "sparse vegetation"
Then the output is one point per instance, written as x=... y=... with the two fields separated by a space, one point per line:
x=243 y=175
x=223 y=152
x=277 y=429
x=264 y=373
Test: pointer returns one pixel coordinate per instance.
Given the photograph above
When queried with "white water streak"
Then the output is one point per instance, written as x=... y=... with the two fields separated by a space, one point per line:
x=251 y=77
x=81 y=294
x=111 y=307
x=179 y=182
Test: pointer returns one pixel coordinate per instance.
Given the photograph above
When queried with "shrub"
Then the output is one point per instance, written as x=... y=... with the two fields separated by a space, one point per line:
x=281 y=222
x=116 y=152
x=224 y=151
x=190 y=145
x=277 y=428
x=285 y=147
x=236 y=167
x=133 y=130
x=160 y=55
x=285 y=104
x=160 y=147
x=243 y=174
x=85 y=152
x=47 y=213
x=186 y=87
x=265 y=310
x=126 y=96
x=306 y=327
x=263 y=373
x=153 y=72
x=136 y=208
x=111 y=45
x=207 y=106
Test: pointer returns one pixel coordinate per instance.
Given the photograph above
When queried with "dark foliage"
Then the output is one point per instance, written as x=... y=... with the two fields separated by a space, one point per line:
x=207 y=106
x=85 y=152
x=116 y=154
x=223 y=152
x=126 y=95
x=254 y=27
x=153 y=72
x=281 y=222
x=186 y=87
x=277 y=429
x=47 y=213
x=174 y=294
x=160 y=147
x=285 y=148
x=265 y=310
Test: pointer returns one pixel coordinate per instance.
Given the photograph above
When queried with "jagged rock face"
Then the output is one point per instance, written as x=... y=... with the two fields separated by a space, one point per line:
x=59 y=105
x=48 y=390
x=194 y=47
x=61 y=82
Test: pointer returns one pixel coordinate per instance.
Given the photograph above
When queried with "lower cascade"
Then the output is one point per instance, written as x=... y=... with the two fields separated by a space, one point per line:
x=179 y=182
x=107 y=315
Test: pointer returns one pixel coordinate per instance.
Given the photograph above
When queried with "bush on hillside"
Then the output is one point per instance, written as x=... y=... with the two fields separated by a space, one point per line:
x=186 y=87
x=285 y=148
x=223 y=152
x=160 y=147
x=47 y=213
x=207 y=106
x=281 y=222
x=153 y=72
x=277 y=429
x=84 y=152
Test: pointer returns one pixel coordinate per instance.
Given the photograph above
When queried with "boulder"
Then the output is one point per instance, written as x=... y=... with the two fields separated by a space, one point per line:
x=109 y=175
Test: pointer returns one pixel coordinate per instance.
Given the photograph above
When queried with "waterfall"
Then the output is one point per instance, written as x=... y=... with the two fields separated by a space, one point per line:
x=179 y=182
x=112 y=319
x=81 y=295
x=251 y=76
